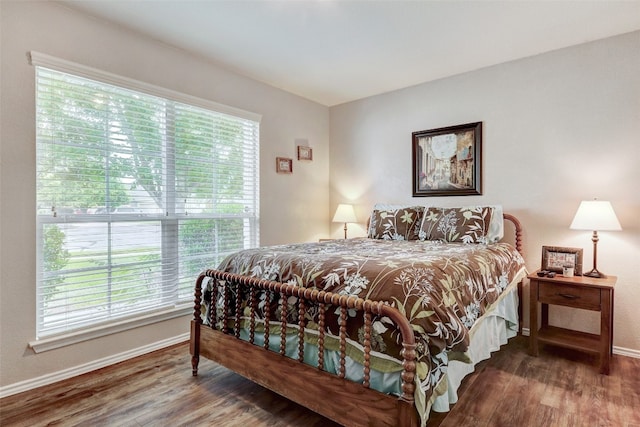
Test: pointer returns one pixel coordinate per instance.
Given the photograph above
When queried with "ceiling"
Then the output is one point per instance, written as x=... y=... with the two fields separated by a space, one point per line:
x=336 y=51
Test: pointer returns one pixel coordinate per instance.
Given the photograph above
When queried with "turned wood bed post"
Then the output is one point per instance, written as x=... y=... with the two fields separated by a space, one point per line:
x=518 y=245
x=196 y=323
x=408 y=352
x=518 y=230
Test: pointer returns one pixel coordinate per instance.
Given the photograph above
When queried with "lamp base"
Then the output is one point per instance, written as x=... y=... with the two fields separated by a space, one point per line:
x=595 y=274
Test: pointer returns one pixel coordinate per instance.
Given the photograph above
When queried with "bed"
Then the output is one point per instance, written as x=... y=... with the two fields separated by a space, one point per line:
x=371 y=331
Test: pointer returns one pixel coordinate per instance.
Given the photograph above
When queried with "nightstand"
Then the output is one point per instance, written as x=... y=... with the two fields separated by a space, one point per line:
x=577 y=292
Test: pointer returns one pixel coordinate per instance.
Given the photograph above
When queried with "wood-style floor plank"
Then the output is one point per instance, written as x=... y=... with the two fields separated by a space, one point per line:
x=559 y=388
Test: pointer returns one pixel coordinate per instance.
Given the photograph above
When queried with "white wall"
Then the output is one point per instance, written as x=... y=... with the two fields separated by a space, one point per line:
x=558 y=128
x=67 y=34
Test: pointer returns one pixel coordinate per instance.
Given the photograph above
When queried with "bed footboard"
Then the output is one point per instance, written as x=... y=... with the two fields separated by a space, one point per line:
x=354 y=404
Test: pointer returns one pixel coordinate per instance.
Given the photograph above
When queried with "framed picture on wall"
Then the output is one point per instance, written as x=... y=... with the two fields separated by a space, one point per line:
x=305 y=153
x=447 y=161
x=284 y=165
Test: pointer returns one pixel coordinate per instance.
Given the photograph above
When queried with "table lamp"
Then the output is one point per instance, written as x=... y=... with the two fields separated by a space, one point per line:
x=595 y=215
x=345 y=213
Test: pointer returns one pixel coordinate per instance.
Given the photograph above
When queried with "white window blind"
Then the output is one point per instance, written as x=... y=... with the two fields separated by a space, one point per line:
x=136 y=194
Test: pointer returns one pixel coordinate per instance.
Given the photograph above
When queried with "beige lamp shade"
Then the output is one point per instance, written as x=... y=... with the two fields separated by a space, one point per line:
x=344 y=213
x=595 y=215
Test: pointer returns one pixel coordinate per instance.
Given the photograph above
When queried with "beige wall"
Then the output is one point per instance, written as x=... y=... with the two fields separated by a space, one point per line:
x=64 y=33
x=558 y=128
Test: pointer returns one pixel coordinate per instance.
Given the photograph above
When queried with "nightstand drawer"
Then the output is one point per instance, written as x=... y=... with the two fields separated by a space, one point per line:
x=573 y=296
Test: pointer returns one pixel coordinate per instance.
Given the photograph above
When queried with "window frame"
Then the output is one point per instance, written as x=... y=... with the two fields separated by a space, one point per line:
x=114 y=325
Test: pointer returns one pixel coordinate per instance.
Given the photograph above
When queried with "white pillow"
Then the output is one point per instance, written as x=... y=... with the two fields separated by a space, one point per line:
x=496 y=226
x=390 y=207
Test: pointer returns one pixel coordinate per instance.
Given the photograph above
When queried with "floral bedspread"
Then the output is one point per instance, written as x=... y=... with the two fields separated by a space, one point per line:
x=442 y=288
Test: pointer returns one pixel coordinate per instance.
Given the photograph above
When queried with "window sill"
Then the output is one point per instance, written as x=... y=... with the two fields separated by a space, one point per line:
x=63 y=340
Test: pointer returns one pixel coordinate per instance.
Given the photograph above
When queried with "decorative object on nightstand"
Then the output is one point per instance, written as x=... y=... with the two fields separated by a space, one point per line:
x=556 y=258
x=345 y=213
x=587 y=293
x=595 y=215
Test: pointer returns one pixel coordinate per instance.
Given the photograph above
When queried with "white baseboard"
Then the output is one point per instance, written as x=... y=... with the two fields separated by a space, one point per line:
x=88 y=367
x=622 y=351
x=626 y=352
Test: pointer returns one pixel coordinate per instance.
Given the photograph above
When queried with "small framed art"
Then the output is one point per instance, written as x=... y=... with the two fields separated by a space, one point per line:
x=305 y=153
x=284 y=165
x=555 y=258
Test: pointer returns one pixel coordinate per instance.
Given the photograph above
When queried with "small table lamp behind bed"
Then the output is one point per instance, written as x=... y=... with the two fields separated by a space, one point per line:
x=345 y=213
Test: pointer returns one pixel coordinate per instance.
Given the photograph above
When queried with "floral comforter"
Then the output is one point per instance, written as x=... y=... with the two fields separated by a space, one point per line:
x=442 y=288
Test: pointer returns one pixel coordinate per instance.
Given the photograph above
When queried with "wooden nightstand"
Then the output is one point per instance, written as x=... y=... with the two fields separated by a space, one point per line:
x=577 y=292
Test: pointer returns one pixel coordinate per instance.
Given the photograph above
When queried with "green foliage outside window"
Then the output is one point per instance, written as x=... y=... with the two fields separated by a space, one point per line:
x=55 y=258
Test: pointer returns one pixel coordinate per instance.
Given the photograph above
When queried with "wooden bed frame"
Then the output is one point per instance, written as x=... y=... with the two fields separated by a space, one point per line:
x=352 y=404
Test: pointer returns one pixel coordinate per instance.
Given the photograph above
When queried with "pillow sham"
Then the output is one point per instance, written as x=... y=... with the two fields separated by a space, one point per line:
x=396 y=224
x=469 y=224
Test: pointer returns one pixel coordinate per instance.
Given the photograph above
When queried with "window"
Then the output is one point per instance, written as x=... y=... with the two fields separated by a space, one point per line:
x=137 y=193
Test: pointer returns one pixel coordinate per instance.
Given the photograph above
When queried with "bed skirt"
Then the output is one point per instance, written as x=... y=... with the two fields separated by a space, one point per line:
x=487 y=335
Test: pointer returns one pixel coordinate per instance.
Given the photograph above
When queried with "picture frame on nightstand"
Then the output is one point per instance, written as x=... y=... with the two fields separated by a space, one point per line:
x=555 y=258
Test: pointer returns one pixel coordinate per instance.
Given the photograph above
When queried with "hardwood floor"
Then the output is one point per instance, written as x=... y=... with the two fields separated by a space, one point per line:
x=558 y=388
